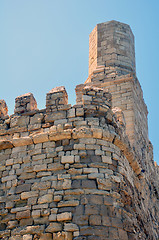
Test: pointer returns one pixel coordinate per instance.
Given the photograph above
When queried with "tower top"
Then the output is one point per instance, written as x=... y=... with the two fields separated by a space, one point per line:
x=111 y=45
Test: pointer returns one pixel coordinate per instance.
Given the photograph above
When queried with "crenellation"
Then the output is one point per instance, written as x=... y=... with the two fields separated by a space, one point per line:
x=84 y=171
x=25 y=103
x=57 y=96
x=3 y=109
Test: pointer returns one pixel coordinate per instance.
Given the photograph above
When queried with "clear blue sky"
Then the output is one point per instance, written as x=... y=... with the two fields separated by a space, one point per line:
x=44 y=44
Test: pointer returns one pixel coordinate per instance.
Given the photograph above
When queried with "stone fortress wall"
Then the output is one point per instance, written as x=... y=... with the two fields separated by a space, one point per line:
x=85 y=171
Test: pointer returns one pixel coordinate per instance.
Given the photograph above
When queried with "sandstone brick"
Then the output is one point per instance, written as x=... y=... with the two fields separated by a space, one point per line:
x=54 y=227
x=45 y=236
x=23 y=188
x=40 y=138
x=38 y=168
x=45 y=199
x=5 y=144
x=55 y=167
x=23 y=214
x=27 y=237
x=53 y=217
x=67 y=159
x=64 y=216
x=35 y=213
x=68 y=203
x=70 y=227
x=26 y=195
x=17 y=142
x=41 y=185
x=107 y=159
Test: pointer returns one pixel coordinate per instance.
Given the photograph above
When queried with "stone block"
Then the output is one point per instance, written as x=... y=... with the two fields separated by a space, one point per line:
x=40 y=138
x=23 y=214
x=46 y=236
x=27 y=237
x=92 y=209
x=71 y=203
x=54 y=227
x=26 y=195
x=53 y=217
x=65 y=216
x=96 y=199
x=106 y=221
x=67 y=159
x=89 y=184
x=35 y=213
x=5 y=144
x=70 y=227
x=107 y=159
x=95 y=220
x=41 y=167
x=41 y=185
x=17 y=142
x=45 y=199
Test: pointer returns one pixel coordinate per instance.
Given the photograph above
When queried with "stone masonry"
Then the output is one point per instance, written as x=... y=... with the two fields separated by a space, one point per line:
x=83 y=172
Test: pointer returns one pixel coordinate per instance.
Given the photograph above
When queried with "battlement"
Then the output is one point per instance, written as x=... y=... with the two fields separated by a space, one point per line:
x=56 y=100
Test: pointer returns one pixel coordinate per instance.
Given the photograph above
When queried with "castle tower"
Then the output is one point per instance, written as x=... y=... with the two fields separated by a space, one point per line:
x=111 y=45
x=112 y=67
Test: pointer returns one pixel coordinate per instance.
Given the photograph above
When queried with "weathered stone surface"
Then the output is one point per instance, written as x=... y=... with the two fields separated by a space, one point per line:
x=45 y=199
x=45 y=236
x=17 y=142
x=40 y=138
x=64 y=216
x=3 y=108
x=5 y=144
x=70 y=227
x=23 y=214
x=54 y=227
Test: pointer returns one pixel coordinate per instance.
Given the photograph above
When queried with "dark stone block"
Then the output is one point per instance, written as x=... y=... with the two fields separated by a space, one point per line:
x=113 y=233
x=89 y=184
x=23 y=188
x=81 y=220
x=95 y=159
x=108 y=200
x=104 y=210
x=58 y=143
x=76 y=184
x=92 y=209
x=95 y=220
x=68 y=147
x=66 y=209
x=2 y=226
x=65 y=142
x=79 y=210
x=96 y=199
x=80 y=238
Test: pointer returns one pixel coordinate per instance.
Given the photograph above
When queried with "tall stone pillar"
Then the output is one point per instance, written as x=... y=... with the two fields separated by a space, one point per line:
x=112 y=66
x=111 y=45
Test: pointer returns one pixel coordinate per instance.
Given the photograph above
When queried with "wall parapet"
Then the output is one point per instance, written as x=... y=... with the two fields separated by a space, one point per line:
x=60 y=122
